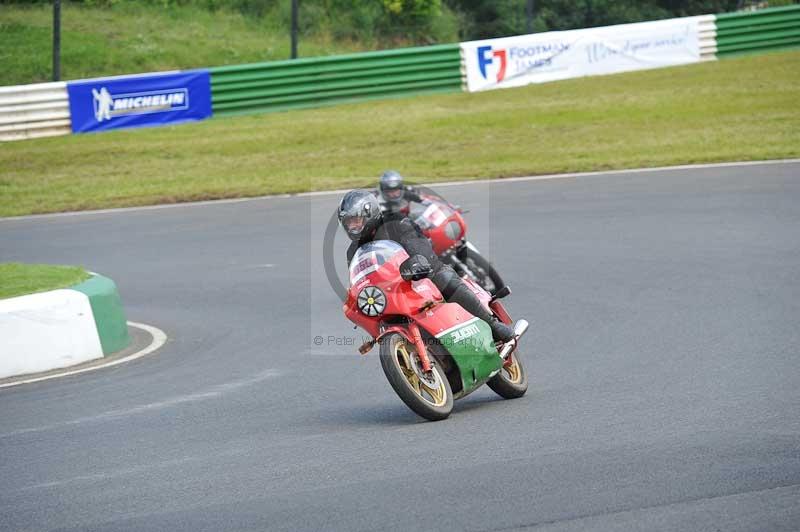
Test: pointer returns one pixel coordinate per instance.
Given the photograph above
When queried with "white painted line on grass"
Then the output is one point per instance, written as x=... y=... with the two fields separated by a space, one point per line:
x=499 y=180
x=159 y=338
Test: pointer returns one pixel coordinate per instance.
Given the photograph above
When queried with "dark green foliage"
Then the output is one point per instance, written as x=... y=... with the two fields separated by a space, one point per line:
x=684 y=8
x=379 y=21
x=495 y=18
x=400 y=22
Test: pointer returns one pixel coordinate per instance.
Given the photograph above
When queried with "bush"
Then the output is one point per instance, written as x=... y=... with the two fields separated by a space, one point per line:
x=380 y=23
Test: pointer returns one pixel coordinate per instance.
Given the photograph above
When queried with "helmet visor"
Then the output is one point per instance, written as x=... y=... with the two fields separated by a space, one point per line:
x=394 y=194
x=354 y=224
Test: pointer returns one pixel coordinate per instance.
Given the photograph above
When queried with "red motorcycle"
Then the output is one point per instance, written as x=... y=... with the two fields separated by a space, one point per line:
x=444 y=224
x=431 y=351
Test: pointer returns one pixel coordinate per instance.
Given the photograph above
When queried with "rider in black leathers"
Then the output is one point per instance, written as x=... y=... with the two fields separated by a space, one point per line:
x=360 y=216
x=394 y=194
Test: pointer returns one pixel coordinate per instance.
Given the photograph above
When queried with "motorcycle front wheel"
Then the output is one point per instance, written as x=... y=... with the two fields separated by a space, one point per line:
x=427 y=394
x=483 y=272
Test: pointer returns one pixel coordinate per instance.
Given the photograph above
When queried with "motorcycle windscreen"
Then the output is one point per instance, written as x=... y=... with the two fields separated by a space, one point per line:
x=429 y=194
x=373 y=255
x=430 y=214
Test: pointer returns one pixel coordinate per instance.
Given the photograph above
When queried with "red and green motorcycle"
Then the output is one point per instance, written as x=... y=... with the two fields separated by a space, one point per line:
x=431 y=351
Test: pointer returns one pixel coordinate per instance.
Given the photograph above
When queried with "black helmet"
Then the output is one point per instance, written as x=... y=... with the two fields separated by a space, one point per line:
x=391 y=186
x=359 y=213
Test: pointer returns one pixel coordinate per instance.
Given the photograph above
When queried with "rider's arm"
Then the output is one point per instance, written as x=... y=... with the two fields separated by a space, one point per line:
x=411 y=195
x=401 y=227
x=417 y=229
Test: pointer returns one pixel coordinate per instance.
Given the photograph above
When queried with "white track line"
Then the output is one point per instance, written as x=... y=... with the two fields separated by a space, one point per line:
x=159 y=338
x=445 y=184
x=618 y=172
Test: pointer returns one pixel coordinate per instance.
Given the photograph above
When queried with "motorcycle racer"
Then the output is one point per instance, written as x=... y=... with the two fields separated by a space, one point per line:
x=394 y=193
x=361 y=218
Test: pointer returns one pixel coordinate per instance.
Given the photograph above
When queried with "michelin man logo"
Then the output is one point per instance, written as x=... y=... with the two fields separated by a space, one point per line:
x=102 y=104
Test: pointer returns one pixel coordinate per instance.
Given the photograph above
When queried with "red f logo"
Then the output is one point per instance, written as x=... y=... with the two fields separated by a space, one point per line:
x=486 y=57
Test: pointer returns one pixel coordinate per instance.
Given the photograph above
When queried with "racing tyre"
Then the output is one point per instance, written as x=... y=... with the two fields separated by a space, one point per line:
x=512 y=381
x=427 y=394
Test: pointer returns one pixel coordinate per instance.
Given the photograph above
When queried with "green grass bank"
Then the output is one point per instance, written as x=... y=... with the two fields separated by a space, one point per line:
x=21 y=279
x=133 y=37
x=738 y=109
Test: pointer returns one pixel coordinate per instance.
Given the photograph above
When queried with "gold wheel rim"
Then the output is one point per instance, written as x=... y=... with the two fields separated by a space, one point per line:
x=513 y=371
x=434 y=396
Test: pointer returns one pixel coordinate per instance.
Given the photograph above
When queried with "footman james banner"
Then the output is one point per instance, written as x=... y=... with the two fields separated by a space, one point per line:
x=142 y=100
x=516 y=61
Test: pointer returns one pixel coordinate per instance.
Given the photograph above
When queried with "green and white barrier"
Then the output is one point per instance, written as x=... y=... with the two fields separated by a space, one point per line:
x=60 y=328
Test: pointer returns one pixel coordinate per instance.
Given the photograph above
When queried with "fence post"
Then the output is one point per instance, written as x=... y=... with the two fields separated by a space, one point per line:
x=294 y=28
x=56 y=40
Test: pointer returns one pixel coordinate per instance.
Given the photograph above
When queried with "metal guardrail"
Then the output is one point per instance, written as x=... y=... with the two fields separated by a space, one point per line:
x=708 y=37
x=300 y=83
x=758 y=31
x=30 y=111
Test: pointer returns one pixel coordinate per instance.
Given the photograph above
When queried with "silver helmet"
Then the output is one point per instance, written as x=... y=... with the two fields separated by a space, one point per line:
x=359 y=213
x=391 y=187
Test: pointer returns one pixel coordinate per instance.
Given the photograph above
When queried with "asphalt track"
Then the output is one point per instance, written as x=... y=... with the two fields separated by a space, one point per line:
x=664 y=362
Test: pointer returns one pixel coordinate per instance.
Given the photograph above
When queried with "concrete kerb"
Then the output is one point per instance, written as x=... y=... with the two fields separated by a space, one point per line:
x=61 y=328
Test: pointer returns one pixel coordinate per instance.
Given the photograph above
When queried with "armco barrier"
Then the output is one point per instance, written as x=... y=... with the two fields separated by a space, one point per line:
x=281 y=85
x=708 y=37
x=758 y=31
x=29 y=111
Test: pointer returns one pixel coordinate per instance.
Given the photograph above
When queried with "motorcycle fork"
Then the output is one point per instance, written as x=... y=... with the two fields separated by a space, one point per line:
x=462 y=250
x=415 y=337
x=457 y=263
x=413 y=328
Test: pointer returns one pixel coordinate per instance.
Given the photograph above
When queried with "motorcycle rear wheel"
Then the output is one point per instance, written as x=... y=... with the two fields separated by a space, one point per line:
x=429 y=396
x=512 y=381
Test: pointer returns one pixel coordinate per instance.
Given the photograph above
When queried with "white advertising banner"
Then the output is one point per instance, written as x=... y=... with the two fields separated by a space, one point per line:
x=542 y=57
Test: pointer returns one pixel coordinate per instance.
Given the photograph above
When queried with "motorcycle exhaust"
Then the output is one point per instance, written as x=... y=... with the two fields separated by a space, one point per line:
x=520 y=328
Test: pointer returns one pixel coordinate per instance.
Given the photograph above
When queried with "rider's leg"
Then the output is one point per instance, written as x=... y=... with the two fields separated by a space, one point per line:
x=453 y=288
x=455 y=291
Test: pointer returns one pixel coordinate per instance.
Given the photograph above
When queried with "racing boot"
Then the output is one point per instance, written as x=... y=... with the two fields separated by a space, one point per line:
x=470 y=302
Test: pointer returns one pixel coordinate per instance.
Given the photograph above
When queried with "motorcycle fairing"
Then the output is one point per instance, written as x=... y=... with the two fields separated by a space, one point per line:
x=469 y=342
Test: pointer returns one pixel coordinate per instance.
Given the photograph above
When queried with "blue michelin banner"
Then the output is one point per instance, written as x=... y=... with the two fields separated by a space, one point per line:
x=137 y=101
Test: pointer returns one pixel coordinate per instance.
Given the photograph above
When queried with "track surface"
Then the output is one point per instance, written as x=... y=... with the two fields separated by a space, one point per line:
x=664 y=362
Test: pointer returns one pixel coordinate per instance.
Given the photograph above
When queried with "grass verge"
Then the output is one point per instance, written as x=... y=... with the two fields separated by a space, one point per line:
x=133 y=37
x=21 y=279
x=738 y=109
